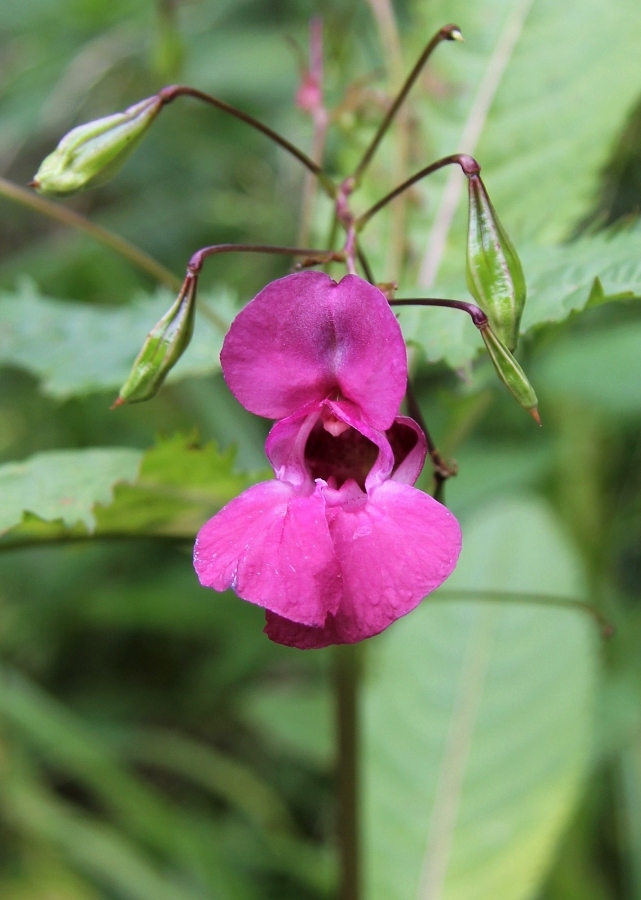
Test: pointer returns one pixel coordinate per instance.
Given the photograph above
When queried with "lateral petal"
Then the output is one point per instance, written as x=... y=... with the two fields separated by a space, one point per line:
x=393 y=551
x=409 y=445
x=273 y=547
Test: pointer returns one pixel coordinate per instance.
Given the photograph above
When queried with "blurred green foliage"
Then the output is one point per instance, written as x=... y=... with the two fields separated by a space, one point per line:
x=153 y=743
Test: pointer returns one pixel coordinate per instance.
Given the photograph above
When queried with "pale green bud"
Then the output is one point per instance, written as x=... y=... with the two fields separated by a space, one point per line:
x=91 y=154
x=511 y=373
x=494 y=272
x=165 y=344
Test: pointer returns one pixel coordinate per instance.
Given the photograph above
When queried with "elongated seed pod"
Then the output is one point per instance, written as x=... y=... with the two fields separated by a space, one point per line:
x=494 y=272
x=91 y=154
x=165 y=344
x=511 y=373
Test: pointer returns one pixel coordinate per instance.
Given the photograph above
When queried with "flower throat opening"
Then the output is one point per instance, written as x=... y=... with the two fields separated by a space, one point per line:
x=339 y=457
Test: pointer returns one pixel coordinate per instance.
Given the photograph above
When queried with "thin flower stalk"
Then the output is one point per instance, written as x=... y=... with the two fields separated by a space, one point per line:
x=170 y=93
x=447 y=33
x=468 y=165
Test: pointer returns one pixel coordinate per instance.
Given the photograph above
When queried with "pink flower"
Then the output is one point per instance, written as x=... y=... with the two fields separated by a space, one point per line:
x=340 y=544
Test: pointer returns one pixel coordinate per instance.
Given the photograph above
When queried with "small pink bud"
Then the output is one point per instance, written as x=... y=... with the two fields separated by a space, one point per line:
x=309 y=96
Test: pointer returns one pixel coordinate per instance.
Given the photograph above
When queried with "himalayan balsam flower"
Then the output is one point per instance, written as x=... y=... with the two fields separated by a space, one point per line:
x=340 y=544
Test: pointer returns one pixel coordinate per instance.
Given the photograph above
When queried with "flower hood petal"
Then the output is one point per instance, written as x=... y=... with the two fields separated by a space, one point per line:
x=305 y=337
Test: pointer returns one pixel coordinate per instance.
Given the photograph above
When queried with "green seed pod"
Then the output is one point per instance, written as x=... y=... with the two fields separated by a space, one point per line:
x=511 y=373
x=165 y=344
x=494 y=272
x=91 y=154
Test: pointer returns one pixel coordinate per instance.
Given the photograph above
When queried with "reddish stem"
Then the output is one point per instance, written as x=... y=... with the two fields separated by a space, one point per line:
x=447 y=33
x=197 y=260
x=346 y=685
x=474 y=312
x=467 y=163
x=169 y=94
x=310 y=98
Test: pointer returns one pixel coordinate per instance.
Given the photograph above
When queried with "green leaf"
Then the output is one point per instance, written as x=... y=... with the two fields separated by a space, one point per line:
x=295 y=718
x=180 y=486
x=76 y=348
x=93 y=847
x=540 y=119
x=213 y=771
x=477 y=720
x=561 y=281
x=55 y=733
x=600 y=368
x=64 y=485
x=172 y=490
x=46 y=878
x=142 y=813
x=487 y=470
x=582 y=274
x=629 y=789
x=229 y=60
x=541 y=123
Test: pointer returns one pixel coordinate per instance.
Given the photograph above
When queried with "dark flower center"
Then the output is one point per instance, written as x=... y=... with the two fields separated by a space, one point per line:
x=341 y=457
x=350 y=454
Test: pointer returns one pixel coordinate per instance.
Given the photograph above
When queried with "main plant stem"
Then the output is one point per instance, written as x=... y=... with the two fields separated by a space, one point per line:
x=346 y=682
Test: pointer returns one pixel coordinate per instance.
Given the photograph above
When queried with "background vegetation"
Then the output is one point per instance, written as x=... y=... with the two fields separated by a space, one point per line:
x=154 y=745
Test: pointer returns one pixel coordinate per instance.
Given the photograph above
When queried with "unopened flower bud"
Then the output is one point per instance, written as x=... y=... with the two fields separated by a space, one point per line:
x=494 y=272
x=165 y=344
x=309 y=96
x=91 y=154
x=511 y=373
